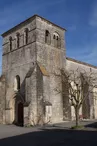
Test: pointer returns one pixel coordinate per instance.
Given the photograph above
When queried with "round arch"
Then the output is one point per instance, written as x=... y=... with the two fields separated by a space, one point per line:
x=17 y=83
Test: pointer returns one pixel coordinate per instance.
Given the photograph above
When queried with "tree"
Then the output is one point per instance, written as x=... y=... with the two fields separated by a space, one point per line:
x=79 y=85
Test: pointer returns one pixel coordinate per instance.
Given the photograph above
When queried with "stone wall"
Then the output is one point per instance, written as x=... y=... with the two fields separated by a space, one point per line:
x=88 y=107
x=2 y=99
x=38 y=65
x=52 y=59
x=18 y=61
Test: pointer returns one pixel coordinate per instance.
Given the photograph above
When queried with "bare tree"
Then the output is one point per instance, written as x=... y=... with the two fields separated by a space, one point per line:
x=76 y=83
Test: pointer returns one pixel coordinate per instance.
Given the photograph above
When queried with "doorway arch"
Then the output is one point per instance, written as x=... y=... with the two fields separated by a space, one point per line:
x=20 y=114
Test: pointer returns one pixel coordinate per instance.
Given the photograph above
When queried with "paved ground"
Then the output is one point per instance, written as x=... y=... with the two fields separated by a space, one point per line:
x=56 y=135
x=89 y=124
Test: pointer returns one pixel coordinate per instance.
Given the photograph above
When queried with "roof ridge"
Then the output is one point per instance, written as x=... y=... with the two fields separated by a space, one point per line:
x=81 y=62
x=28 y=19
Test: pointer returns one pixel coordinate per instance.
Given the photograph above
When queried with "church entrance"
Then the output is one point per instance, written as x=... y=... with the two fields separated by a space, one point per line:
x=20 y=113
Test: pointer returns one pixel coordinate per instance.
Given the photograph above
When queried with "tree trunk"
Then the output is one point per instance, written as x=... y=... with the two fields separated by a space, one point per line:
x=77 y=116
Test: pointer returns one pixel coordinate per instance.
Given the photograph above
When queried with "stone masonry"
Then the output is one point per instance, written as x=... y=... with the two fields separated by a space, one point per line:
x=33 y=53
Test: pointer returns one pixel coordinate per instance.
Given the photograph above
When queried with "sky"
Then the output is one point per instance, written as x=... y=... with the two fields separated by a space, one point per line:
x=79 y=17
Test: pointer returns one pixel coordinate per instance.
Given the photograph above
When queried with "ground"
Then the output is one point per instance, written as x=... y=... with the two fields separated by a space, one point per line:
x=53 y=135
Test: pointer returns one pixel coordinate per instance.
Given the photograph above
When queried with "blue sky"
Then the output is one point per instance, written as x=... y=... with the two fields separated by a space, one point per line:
x=79 y=17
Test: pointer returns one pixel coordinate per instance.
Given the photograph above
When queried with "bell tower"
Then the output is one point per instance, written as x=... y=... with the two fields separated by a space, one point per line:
x=33 y=51
x=50 y=46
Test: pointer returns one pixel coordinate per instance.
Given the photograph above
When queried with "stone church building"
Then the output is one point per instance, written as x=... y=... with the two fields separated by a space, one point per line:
x=33 y=51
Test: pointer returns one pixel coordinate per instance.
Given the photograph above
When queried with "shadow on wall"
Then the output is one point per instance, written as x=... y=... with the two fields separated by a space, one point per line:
x=53 y=137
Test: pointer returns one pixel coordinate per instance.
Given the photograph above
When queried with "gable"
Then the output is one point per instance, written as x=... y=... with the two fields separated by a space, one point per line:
x=43 y=69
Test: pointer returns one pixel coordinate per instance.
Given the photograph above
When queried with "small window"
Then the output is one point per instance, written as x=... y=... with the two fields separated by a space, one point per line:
x=26 y=36
x=10 y=43
x=17 y=83
x=18 y=40
x=54 y=37
x=47 y=37
x=57 y=40
x=47 y=33
x=57 y=37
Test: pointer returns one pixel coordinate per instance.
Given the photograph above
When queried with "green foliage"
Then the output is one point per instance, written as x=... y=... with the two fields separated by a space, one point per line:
x=77 y=127
x=28 y=125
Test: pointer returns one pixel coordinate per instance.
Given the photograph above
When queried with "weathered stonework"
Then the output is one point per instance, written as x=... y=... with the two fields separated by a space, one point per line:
x=36 y=63
x=89 y=106
x=2 y=98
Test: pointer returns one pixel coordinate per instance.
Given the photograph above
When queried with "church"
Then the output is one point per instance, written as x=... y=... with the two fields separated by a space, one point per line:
x=33 y=51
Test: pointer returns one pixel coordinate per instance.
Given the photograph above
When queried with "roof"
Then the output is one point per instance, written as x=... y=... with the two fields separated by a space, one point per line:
x=80 y=62
x=42 y=69
x=24 y=22
x=29 y=73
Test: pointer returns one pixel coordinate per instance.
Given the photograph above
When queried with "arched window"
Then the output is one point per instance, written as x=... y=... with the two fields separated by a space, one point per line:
x=47 y=37
x=57 y=40
x=10 y=43
x=26 y=36
x=54 y=37
x=17 y=83
x=57 y=37
x=18 y=39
